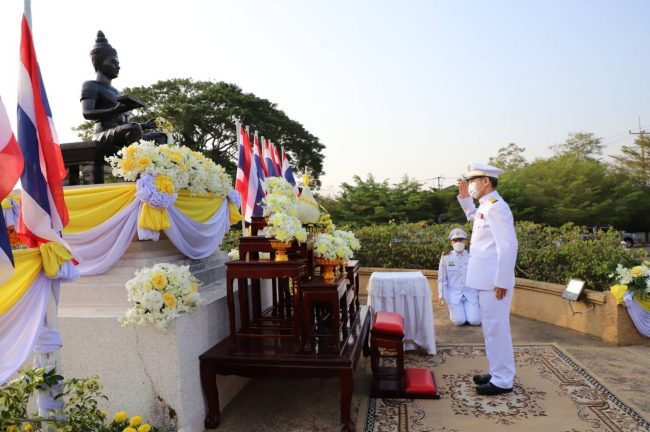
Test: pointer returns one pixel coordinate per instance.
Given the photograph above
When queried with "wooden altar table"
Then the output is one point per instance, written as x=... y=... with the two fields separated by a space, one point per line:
x=268 y=358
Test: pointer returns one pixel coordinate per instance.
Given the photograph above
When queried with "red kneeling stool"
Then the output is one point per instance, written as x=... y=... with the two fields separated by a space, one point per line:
x=395 y=381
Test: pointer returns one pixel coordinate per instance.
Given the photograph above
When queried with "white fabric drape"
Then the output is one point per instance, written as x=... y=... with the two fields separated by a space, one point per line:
x=409 y=294
x=640 y=317
x=47 y=352
x=198 y=240
x=99 y=248
x=21 y=326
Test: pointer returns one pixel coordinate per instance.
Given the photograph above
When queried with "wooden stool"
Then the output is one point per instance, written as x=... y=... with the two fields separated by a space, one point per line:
x=395 y=381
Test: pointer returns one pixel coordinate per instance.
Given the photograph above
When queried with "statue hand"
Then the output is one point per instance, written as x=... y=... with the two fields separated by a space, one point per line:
x=149 y=124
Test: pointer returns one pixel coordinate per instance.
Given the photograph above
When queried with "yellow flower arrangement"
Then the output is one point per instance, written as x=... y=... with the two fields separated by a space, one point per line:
x=637 y=271
x=144 y=428
x=129 y=429
x=28 y=427
x=135 y=420
x=143 y=162
x=159 y=280
x=132 y=150
x=169 y=300
x=120 y=416
x=127 y=164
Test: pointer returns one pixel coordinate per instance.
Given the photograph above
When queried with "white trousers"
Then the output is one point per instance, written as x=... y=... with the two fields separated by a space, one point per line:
x=464 y=311
x=495 y=315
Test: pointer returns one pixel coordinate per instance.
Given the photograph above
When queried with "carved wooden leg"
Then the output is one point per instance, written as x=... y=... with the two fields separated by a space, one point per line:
x=307 y=322
x=231 y=313
x=211 y=394
x=346 y=400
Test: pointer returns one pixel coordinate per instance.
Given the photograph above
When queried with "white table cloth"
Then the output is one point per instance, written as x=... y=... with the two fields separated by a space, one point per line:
x=409 y=294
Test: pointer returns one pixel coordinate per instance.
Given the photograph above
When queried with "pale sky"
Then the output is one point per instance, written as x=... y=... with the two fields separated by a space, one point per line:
x=390 y=87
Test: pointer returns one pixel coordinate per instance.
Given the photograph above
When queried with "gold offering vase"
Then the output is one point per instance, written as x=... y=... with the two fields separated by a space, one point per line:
x=280 y=249
x=327 y=267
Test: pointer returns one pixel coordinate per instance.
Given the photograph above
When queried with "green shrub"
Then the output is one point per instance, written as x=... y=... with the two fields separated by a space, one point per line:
x=546 y=253
x=80 y=405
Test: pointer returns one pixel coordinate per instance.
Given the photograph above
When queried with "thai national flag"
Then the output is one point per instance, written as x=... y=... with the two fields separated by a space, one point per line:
x=268 y=160
x=287 y=173
x=43 y=213
x=256 y=144
x=11 y=166
x=248 y=183
x=243 y=170
x=275 y=156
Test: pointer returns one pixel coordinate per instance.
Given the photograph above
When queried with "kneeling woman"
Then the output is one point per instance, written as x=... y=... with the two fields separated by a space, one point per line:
x=461 y=300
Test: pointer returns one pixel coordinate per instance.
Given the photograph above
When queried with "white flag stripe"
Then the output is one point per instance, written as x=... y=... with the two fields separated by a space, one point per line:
x=5 y=127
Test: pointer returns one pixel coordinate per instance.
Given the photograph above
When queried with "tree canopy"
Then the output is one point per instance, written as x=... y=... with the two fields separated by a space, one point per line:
x=203 y=114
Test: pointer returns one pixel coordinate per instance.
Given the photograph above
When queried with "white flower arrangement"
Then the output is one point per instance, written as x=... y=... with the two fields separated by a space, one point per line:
x=279 y=186
x=331 y=247
x=348 y=237
x=160 y=294
x=187 y=169
x=285 y=227
x=280 y=206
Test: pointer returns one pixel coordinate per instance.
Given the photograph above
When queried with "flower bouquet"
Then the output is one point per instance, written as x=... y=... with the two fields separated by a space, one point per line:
x=635 y=280
x=160 y=294
x=281 y=210
x=329 y=252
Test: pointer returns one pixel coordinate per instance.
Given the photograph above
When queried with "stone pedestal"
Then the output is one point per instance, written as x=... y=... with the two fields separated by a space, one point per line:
x=146 y=371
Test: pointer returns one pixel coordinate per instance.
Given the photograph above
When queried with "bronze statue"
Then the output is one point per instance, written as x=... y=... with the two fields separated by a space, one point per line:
x=104 y=104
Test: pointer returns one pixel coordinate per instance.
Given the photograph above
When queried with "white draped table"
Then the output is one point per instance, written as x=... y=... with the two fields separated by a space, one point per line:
x=409 y=294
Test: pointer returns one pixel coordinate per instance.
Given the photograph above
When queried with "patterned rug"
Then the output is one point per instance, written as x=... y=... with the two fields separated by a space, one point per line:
x=552 y=393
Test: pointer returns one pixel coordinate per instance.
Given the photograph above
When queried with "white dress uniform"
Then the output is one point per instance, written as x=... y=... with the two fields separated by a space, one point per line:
x=492 y=264
x=462 y=300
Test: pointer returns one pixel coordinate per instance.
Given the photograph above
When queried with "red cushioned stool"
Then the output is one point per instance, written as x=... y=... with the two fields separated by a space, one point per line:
x=387 y=332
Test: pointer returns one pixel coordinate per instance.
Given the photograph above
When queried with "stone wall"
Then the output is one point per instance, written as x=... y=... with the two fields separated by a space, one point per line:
x=596 y=313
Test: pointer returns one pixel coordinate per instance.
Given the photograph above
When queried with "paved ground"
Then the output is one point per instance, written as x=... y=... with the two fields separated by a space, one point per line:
x=312 y=405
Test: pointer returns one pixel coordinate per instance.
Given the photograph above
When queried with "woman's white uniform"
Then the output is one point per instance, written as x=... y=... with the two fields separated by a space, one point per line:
x=462 y=300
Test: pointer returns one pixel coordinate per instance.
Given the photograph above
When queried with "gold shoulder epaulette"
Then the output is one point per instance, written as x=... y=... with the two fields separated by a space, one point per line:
x=492 y=200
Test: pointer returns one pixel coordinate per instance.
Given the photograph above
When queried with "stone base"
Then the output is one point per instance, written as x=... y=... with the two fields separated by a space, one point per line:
x=146 y=371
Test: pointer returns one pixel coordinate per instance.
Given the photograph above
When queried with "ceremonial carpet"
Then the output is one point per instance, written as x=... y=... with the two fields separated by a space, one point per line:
x=552 y=392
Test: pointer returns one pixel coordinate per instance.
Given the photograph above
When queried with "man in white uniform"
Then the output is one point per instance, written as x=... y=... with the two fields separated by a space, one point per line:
x=491 y=270
x=462 y=300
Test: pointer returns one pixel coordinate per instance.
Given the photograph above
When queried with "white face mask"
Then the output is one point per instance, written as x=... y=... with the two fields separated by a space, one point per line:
x=459 y=246
x=473 y=190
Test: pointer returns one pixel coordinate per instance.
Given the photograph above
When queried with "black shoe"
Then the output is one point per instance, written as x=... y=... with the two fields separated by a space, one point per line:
x=482 y=378
x=490 y=389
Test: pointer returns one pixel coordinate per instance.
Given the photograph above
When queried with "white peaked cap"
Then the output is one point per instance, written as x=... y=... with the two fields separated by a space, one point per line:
x=476 y=169
x=457 y=233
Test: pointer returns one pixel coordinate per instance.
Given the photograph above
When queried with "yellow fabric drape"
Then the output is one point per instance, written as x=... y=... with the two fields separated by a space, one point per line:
x=28 y=266
x=235 y=216
x=53 y=256
x=199 y=208
x=153 y=218
x=619 y=291
x=91 y=206
x=6 y=204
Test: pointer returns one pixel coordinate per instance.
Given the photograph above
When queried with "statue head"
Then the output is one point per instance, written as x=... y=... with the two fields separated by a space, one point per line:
x=104 y=57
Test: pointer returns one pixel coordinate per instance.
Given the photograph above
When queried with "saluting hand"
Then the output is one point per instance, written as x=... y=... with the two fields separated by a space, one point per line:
x=501 y=293
x=463 y=190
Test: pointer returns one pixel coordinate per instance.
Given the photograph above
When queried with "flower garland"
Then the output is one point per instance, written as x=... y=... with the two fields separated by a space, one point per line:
x=160 y=294
x=183 y=167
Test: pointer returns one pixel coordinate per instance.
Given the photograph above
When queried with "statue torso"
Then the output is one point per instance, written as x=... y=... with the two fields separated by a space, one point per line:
x=105 y=96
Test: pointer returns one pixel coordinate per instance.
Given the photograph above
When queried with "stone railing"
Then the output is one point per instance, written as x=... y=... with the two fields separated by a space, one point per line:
x=596 y=313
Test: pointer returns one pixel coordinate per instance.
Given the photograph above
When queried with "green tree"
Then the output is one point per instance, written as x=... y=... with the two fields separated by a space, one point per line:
x=635 y=161
x=561 y=189
x=203 y=114
x=509 y=158
x=582 y=145
x=368 y=201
